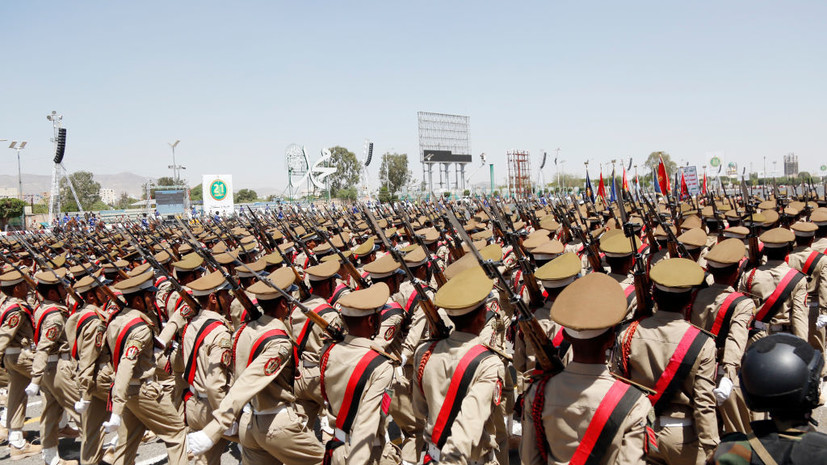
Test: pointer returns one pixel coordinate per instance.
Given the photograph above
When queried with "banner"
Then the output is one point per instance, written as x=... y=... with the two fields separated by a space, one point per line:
x=690 y=174
x=218 y=194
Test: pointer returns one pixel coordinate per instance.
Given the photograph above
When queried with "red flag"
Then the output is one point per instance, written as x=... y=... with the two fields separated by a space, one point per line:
x=684 y=187
x=663 y=177
x=625 y=181
x=704 y=188
x=601 y=191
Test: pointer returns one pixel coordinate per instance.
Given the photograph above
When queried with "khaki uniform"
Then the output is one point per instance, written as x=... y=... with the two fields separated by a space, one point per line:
x=211 y=377
x=273 y=430
x=816 y=291
x=365 y=442
x=136 y=395
x=309 y=400
x=820 y=244
x=524 y=354
x=793 y=316
x=473 y=436
x=571 y=399
x=735 y=416
x=86 y=335
x=625 y=282
x=687 y=428
x=53 y=370
x=238 y=314
x=16 y=336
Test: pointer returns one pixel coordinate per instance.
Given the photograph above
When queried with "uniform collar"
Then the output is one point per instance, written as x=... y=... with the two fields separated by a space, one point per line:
x=462 y=336
x=667 y=316
x=594 y=369
x=358 y=341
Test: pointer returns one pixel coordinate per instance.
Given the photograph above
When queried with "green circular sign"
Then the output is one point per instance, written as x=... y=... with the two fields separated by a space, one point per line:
x=218 y=189
x=715 y=162
x=823 y=167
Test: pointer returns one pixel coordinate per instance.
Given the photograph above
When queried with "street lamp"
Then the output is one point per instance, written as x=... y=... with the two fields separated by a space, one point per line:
x=18 y=148
x=174 y=167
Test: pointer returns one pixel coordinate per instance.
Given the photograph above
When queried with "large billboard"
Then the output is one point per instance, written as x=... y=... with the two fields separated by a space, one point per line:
x=170 y=201
x=445 y=156
x=690 y=173
x=218 y=194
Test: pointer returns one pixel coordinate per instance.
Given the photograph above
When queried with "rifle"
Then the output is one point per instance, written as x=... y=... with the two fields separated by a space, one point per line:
x=297 y=240
x=590 y=247
x=545 y=351
x=100 y=251
x=644 y=307
x=93 y=269
x=752 y=237
x=438 y=274
x=42 y=264
x=680 y=249
x=266 y=240
x=351 y=270
x=24 y=275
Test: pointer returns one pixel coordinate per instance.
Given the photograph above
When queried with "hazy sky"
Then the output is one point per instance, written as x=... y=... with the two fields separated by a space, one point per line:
x=237 y=82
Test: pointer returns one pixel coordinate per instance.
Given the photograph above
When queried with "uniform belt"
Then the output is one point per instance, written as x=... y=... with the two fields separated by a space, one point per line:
x=13 y=350
x=774 y=328
x=340 y=434
x=52 y=358
x=309 y=364
x=434 y=451
x=197 y=393
x=435 y=454
x=271 y=411
x=666 y=422
x=138 y=382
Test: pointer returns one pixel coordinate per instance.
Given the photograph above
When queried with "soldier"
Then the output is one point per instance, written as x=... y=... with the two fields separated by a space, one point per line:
x=356 y=380
x=779 y=291
x=16 y=335
x=263 y=365
x=85 y=334
x=459 y=381
x=726 y=314
x=620 y=258
x=188 y=269
x=650 y=351
x=206 y=350
x=813 y=264
x=819 y=218
x=394 y=319
x=584 y=414
x=52 y=370
x=138 y=400
x=246 y=278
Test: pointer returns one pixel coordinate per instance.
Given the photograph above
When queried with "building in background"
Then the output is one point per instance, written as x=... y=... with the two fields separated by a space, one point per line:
x=108 y=196
x=8 y=192
x=790 y=164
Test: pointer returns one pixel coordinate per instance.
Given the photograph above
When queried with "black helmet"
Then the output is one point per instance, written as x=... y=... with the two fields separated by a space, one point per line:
x=781 y=372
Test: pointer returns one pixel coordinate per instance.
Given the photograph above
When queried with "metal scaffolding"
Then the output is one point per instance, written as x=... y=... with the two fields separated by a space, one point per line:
x=519 y=173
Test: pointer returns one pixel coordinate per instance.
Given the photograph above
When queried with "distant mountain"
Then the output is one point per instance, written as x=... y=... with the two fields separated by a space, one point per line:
x=130 y=183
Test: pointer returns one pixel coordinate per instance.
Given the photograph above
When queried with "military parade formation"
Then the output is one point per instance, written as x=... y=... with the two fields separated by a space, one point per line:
x=556 y=329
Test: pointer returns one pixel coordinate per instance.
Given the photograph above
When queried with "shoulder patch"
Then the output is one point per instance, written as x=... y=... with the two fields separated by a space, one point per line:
x=13 y=321
x=52 y=333
x=132 y=352
x=498 y=392
x=99 y=337
x=186 y=311
x=389 y=333
x=271 y=366
x=227 y=358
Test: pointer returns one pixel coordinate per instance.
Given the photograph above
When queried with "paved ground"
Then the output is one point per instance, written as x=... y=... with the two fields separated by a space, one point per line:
x=153 y=452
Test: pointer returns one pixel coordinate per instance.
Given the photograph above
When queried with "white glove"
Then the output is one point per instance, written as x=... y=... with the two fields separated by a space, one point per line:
x=232 y=430
x=198 y=443
x=32 y=389
x=723 y=391
x=113 y=424
x=821 y=321
x=81 y=406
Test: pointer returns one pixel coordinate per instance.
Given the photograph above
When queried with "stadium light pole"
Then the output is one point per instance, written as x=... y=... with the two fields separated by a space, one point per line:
x=18 y=148
x=174 y=167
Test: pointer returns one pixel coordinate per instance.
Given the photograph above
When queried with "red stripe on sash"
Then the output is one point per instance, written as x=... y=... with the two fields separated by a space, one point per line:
x=119 y=342
x=723 y=312
x=772 y=300
x=355 y=377
x=267 y=336
x=411 y=301
x=674 y=363
x=189 y=371
x=454 y=395
x=809 y=263
x=558 y=337
x=40 y=321
x=82 y=322
x=598 y=422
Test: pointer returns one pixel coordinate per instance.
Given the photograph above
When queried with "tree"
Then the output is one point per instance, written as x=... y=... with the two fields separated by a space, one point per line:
x=245 y=196
x=125 y=201
x=348 y=170
x=347 y=193
x=86 y=187
x=653 y=160
x=384 y=195
x=394 y=172
x=197 y=193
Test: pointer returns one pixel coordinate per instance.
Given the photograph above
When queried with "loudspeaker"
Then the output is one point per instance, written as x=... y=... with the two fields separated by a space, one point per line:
x=370 y=154
x=61 y=145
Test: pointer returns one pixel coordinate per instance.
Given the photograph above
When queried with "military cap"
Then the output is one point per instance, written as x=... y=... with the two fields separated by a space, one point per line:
x=694 y=238
x=464 y=292
x=472 y=226
x=549 y=223
x=365 y=248
x=335 y=257
x=364 y=302
x=184 y=249
x=85 y=284
x=519 y=226
x=246 y=270
x=661 y=233
x=188 y=262
x=757 y=218
x=797 y=205
x=208 y=284
x=709 y=213
x=617 y=244
x=130 y=253
x=57 y=245
x=483 y=235
x=819 y=217
x=791 y=211
x=11 y=278
x=323 y=271
x=726 y=253
x=733 y=214
x=283 y=278
x=534 y=241
x=140 y=269
x=79 y=270
x=162 y=257
x=538 y=232
x=804 y=229
x=322 y=248
x=492 y=252
x=560 y=271
x=108 y=267
x=58 y=260
x=47 y=277
x=431 y=235
x=220 y=247
x=597 y=292
x=691 y=222
x=479 y=245
x=770 y=217
x=416 y=257
x=767 y=205
x=390 y=232
x=676 y=275
x=382 y=267
x=225 y=258
x=738 y=232
x=142 y=282
x=777 y=237
x=548 y=250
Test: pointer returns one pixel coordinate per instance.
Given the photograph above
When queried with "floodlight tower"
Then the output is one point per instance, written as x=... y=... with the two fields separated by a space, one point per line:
x=175 y=167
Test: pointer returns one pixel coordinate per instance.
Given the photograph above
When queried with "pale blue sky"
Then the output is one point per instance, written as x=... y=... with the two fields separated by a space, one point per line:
x=239 y=81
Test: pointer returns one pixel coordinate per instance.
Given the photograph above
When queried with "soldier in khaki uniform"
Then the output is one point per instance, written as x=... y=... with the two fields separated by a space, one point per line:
x=309 y=338
x=52 y=369
x=557 y=424
x=264 y=366
x=819 y=218
x=138 y=401
x=207 y=352
x=461 y=426
x=649 y=351
x=394 y=320
x=238 y=314
x=788 y=314
x=16 y=335
x=813 y=264
x=361 y=413
x=726 y=315
x=620 y=258
x=86 y=335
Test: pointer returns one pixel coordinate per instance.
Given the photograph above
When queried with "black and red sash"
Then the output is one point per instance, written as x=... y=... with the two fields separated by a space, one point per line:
x=812 y=261
x=337 y=293
x=261 y=342
x=629 y=292
x=123 y=336
x=411 y=302
x=460 y=382
x=780 y=295
x=83 y=322
x=605 y=424
x=560 y=343
x=355 y=387
x=678 y=368
x=192 y=358
x=723 y=319
x=391 y=310
x=39 y=327
x=10 y=309
x=304 y=335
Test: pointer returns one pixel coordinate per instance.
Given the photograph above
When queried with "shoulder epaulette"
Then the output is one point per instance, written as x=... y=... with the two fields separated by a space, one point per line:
x=393 y=358
x=642 y=388
x=499 y=352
